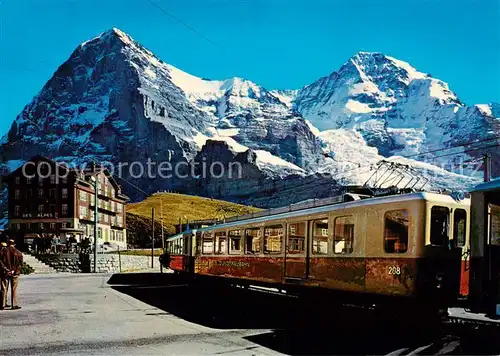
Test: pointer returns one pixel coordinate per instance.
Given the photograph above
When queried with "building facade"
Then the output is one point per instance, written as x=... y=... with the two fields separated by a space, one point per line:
x=47 y=200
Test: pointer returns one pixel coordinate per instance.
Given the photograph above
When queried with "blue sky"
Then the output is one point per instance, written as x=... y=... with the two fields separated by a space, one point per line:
x=276 y=43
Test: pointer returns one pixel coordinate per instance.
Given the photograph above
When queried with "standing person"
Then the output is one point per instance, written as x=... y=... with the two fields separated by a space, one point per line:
x=12 y=259
x=3 y=269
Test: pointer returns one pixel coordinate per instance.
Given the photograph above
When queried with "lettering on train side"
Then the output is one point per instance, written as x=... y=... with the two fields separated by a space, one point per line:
x=232 y=263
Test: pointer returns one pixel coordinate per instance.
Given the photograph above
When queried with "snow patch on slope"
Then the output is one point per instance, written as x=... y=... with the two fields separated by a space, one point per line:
x=285 y=96
x=276 y=165
x=201 y=139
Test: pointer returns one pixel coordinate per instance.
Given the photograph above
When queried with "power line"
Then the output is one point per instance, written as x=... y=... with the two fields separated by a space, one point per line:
x=169 y=14
x=470 y=150
x=451 y=147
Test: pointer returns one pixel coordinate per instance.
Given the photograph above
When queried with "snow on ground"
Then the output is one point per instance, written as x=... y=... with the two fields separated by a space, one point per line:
x=412 y=72
x=285 y=96
x=201 y=139
x=195 y=87
x=485 y=109
x=411 y=139
x=352 y=161
x=276 y=165
x=440 y=90
x=313 y=128
x=358 y=101
x=226 y=132
x=357 y=107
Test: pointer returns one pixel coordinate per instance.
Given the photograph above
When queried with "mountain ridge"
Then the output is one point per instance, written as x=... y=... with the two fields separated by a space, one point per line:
x=114 y=100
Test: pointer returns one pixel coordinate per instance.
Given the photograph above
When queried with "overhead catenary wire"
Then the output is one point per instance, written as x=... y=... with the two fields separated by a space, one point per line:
x=452 y=147
x=180 y=21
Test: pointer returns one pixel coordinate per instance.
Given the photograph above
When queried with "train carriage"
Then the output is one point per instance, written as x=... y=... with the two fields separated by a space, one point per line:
x=412 y=246
x=485 y=249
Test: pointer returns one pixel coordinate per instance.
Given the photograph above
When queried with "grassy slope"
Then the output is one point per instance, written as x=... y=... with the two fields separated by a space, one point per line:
x=177 y=206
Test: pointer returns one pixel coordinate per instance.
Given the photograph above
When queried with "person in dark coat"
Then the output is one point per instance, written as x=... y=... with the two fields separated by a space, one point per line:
x=12 y=261
x=3 y=269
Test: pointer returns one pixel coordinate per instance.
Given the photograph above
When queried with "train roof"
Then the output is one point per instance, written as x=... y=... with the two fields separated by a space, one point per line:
x=487 y=186
x=317 y=206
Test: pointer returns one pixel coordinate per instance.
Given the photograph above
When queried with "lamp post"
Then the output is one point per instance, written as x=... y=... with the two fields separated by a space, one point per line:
x=162 y=238
x=96 y=186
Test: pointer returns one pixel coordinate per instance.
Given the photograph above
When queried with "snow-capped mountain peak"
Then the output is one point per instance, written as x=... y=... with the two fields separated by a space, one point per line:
x=115 y=100
x=110 y=36
x=375 y=65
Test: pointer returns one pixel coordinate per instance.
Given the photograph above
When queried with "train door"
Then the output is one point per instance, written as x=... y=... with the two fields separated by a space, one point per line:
x=443 y=258
x=296 y=251
x=484 y=293
x=187 y=252
x=461 y=240
x=493 y=254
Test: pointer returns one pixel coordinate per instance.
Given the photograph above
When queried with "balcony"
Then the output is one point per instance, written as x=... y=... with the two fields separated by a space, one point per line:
x=86 y=217
x=116 y=223
x=104 y=206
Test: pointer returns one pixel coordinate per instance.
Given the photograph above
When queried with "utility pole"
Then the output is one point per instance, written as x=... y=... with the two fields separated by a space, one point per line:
x=162 y=238
x=152 y=236
x=96 y=185
x=487 y=167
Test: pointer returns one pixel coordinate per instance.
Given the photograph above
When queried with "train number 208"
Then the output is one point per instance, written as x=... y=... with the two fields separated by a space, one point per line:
x=394 y=270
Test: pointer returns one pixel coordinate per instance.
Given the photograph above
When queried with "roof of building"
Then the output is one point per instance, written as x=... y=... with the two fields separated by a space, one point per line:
x=487 y=186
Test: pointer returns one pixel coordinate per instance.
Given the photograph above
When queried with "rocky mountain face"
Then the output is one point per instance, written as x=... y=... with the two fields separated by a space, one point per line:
x=396 y=108
x=115 y=101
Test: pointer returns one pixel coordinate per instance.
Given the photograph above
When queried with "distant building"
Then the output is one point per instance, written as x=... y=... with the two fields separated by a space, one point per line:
x=49 y=200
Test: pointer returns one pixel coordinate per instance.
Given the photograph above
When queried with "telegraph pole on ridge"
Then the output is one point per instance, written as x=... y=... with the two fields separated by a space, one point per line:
x=152 y=236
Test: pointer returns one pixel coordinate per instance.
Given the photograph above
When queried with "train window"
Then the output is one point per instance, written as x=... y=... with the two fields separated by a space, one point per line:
x=198 y=242
x=396 y=231
x=296 y=237
x=185 y=244
x=252 y=238
x=273 y=238
x=494 y=224
x=207 y=242
x=180 y=248
x=343 y=238
x=235 y=241
x=440 y=217
x=320 y=237
x=459 y=226
x=220 y=242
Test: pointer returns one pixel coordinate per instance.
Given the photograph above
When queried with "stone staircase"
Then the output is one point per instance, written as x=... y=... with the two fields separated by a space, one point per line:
x=37 y=265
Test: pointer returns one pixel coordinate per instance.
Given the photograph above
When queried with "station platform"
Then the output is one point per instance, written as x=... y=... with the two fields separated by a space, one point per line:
x=467 y=316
